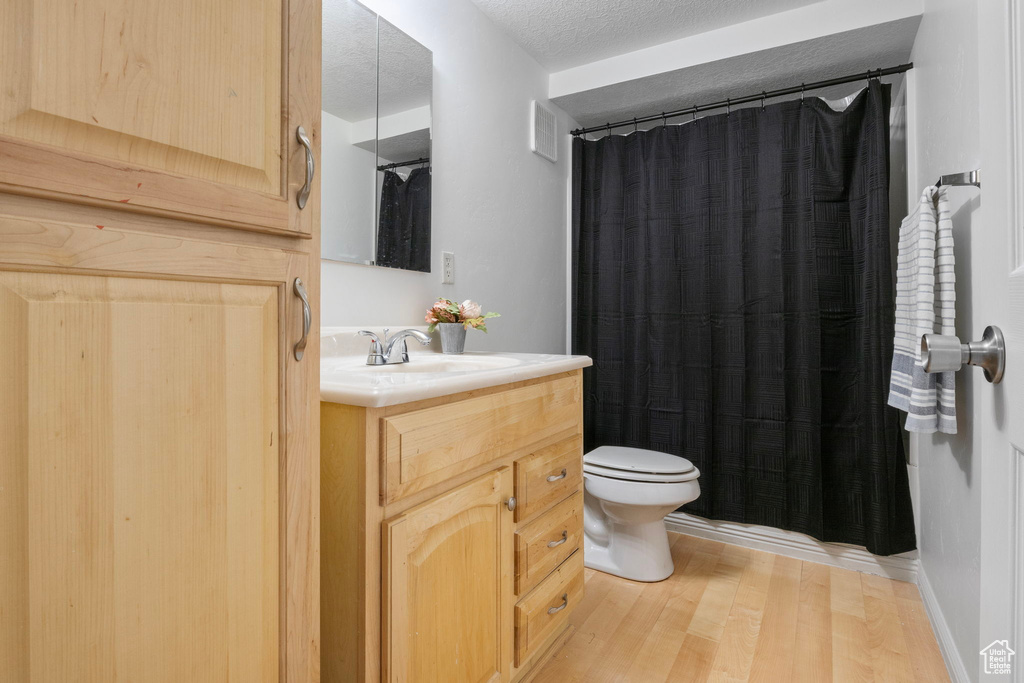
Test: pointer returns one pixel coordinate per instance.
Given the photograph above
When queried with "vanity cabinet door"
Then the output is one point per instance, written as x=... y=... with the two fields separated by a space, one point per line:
x=143 y=485
x=186 y=109
x=447 y=589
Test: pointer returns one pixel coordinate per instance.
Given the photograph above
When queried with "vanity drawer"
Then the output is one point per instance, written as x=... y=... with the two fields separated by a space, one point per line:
x=545 y=542
x=546 y=609
x=421 y=448
x=547 y=476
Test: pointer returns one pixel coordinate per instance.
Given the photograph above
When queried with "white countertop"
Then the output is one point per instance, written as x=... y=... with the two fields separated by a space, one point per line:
x=346 y=378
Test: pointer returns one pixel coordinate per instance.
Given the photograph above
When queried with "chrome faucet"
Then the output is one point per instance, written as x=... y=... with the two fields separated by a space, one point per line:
x=381 y=349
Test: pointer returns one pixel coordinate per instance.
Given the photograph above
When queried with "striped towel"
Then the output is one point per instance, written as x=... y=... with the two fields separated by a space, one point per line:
x=925 y=282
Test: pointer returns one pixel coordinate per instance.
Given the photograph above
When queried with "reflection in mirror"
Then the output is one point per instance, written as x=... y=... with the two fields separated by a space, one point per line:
x=348 y=131
x=375 y=141
x=405 y=73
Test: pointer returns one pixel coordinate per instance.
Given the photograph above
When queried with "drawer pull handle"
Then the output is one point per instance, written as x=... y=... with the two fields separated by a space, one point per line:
x=556 y=477
x=511 y=503
x=565 y=603
x=563 y=539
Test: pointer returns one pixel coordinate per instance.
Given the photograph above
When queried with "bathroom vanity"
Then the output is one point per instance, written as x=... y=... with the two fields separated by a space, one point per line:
x=451 y=514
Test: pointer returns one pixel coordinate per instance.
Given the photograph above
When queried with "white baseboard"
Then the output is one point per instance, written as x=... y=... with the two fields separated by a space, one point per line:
x=903 y=567
x=954 y=664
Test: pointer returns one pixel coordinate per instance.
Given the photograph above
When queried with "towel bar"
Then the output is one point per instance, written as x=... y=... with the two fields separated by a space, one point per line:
x=961 y=179
x=944 y=353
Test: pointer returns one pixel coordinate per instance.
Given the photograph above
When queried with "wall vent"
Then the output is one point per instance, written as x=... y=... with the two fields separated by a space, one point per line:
x=545 y=132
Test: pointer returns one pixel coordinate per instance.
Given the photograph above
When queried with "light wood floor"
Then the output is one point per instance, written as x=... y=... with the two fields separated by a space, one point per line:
x=733 y=614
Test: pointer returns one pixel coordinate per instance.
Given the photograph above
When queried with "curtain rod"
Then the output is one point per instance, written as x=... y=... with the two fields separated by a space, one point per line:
x=399 y=164
x=761 y=96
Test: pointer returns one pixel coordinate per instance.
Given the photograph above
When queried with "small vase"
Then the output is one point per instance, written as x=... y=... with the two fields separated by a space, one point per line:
x=453 y=337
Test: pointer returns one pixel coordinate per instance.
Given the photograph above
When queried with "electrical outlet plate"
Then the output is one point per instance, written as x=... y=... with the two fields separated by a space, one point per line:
x=447 y=268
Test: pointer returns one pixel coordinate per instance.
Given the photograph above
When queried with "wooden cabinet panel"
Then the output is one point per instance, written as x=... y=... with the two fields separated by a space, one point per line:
x=186 y=109
x=547 y=476
x=159 y=481
x=546 y=609
x=545 y=542
x=447 y=588
x=141 y=457
x=426 y=447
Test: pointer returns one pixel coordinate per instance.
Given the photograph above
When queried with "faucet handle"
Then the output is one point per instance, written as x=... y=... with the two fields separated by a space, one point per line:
x=376 y=355
x=373 y=336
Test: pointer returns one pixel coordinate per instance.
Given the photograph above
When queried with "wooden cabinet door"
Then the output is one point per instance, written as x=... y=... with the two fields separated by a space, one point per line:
x=447 y=589
x=158 y=471
x=140 y=524
x=182 y=108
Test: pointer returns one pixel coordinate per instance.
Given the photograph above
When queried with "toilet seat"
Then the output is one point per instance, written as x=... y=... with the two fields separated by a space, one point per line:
x=638 y=464
x=633 y=475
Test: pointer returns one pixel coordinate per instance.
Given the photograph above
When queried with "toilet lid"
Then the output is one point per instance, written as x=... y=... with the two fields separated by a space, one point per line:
x=648 y=477
x=627 y=461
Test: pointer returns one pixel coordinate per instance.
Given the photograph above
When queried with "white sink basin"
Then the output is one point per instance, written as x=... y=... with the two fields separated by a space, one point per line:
x=437 y=363
x=346 y=378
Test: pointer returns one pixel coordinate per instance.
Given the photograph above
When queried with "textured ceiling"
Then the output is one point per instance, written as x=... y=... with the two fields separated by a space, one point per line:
x=873 y=47
x=350 y=69
x=568 y=33
x=405 y=147
x=406 y=72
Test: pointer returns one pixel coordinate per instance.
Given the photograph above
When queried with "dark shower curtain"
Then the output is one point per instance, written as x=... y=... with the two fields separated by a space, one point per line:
x=732 y=283
x=403 y=234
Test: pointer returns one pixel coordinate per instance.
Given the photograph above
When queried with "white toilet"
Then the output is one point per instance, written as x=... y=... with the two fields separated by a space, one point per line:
x=627 y=493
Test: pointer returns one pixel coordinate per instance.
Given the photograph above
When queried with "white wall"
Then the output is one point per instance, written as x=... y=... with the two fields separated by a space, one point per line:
x=944 y=120
x=347 y=178
x=497 y=205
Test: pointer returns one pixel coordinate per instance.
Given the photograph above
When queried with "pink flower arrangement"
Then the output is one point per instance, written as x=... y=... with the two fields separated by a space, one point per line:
x=468 y=313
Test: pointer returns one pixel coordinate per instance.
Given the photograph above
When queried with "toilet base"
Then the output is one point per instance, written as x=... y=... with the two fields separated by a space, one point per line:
x=638 y=552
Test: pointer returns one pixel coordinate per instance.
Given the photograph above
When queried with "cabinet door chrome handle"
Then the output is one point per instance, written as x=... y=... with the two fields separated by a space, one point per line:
x=303 y=196
x=565 y=603
x=307 y=318
x=556 y=477
x=563 y=539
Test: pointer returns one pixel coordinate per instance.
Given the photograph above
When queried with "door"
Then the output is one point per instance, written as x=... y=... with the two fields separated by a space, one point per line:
x=998 y=267
x=447 y=589
x=186 y=108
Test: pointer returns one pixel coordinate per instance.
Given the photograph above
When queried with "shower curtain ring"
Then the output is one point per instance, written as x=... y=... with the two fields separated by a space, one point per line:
x=763 y=95
x=694 y=113
x=728 y=106
x=664 y=119
x=801 y=93
x=634 y=124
